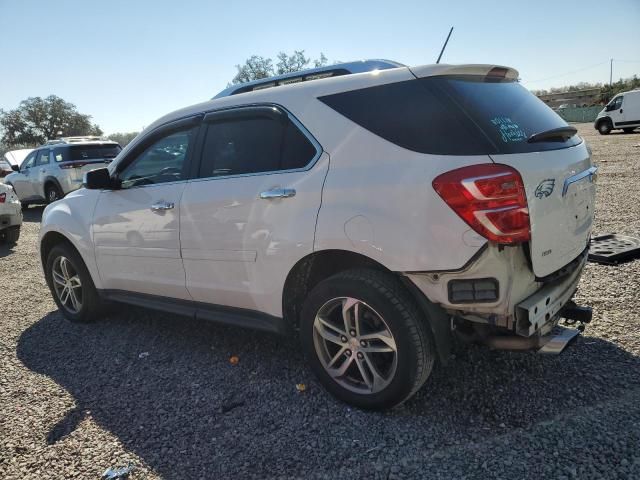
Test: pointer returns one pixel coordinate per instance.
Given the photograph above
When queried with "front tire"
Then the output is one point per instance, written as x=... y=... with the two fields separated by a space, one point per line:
x=605 y=127
x=366 y=340
x=71 y=285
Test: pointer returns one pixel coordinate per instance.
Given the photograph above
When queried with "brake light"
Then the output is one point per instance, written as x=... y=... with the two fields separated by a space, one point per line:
x=72 y=165
x=490 y=198
x=3 y=197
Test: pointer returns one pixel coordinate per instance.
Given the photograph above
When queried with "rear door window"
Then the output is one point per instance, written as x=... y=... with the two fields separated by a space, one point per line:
x=43 y=157
x=449 y=115
x=254 y=143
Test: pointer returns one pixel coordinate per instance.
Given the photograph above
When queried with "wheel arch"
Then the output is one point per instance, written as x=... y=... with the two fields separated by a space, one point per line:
x=320 y=265
x=51 y=180
x=603 y=119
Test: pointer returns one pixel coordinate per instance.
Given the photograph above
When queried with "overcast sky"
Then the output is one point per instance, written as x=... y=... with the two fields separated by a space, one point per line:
x=128 y=62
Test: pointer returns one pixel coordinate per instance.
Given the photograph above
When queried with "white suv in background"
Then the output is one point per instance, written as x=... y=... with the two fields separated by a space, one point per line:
x=375 y=213
x=51 y=171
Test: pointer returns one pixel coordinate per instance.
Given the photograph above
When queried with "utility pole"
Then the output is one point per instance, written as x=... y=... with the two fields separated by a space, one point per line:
x=611 y=73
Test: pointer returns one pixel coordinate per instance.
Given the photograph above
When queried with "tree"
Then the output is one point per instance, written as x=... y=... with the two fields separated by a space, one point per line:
x=123 y=138
x=37 y=120
x=257 y=67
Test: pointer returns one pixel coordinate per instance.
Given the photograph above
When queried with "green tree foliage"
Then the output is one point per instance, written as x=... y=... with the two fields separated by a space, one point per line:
x=257 y=67
x=38 y=119
x=606 y=92
x=123 y=138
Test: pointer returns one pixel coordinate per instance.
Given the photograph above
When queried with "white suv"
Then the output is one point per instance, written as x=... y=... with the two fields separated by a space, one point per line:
x=52 y=170
x=375 y=213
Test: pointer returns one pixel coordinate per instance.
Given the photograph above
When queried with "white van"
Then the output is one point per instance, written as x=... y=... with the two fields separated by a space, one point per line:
x=623 y=111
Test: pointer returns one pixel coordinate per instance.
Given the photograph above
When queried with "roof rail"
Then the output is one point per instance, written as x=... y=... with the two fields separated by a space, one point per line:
x=310 y=74
x=78 y=139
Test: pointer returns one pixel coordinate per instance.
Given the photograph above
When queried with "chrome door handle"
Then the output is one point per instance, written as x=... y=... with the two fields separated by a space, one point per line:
x=278 y=193
x=161 y=206
x=589 y=172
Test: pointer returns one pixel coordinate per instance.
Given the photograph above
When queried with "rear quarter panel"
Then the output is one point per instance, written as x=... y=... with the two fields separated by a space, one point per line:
x=378 y=199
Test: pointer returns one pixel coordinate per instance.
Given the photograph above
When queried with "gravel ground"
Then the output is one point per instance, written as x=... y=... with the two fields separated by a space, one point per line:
x=76 y=399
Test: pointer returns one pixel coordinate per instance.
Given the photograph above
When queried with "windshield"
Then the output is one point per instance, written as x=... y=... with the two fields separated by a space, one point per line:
x=86 y=152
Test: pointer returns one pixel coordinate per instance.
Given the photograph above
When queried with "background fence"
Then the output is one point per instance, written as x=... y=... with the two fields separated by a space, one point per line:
x=580 y=114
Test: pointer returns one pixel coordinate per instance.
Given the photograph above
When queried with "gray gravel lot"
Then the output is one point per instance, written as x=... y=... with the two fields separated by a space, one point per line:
x=76 y=399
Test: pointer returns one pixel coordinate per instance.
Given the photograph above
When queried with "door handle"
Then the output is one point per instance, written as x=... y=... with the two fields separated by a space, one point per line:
x=620 y=110
x=162 y=206
x=278 y=193
x=42 y=170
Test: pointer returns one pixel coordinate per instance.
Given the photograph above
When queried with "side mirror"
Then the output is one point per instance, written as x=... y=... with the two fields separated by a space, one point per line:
x=97 y=179
x=610 y=107
x=15 y=168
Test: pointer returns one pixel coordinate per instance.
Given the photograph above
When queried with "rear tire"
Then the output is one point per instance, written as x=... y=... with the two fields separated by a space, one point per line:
x=628 y=130
x=71 y=285
x=366 y=340
x=53 y=193
x=605 y=127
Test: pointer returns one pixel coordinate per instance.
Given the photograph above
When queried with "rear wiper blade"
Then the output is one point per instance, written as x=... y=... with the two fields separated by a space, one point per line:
x=561 y=133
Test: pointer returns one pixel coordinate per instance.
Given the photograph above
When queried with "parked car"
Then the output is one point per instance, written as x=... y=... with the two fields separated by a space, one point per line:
x=14 y=157
x=377 y=214
x=52 y=170
x=10 y=215
x=622 y=112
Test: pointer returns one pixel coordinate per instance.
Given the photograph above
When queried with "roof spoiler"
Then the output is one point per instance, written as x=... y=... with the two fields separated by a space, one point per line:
x=483 y=70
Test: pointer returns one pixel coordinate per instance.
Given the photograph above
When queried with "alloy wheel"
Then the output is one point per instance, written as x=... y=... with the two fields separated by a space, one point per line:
x=67 y=284
x=355 y=345
x=53 y=195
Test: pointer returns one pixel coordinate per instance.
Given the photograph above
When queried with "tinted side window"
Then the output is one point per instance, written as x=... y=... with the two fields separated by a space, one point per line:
x=162 y=161
x=452 y=115
x=43 y=157
x=254 y=144
x=618 y=102
x=412 y=117
x=29 y=161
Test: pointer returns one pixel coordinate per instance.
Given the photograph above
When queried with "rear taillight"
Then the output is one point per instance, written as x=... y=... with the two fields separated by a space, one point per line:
x=490 y=198
x=72 y=165
x=3 y=197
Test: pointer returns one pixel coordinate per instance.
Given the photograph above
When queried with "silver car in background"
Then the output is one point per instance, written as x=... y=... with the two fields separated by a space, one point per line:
x=52 y=170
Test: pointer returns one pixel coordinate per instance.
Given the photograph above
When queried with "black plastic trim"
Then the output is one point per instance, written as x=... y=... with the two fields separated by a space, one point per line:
x=270 y=111
x=473 y=300
x=633 y=122
x=237 y=317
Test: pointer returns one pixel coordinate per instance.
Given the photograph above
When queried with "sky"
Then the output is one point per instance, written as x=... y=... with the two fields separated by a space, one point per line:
x=127 y=63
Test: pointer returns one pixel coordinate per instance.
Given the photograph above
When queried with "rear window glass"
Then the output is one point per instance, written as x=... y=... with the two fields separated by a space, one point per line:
x=452 y=115
x=86 y=152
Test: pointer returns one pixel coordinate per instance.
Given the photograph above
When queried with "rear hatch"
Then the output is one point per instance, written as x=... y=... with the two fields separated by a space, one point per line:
x=515 y=128
x=83 y=157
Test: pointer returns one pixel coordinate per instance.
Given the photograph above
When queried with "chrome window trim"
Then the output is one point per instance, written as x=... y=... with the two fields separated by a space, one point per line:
x=177 y=182
x=589 y=172
x=294 y=120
